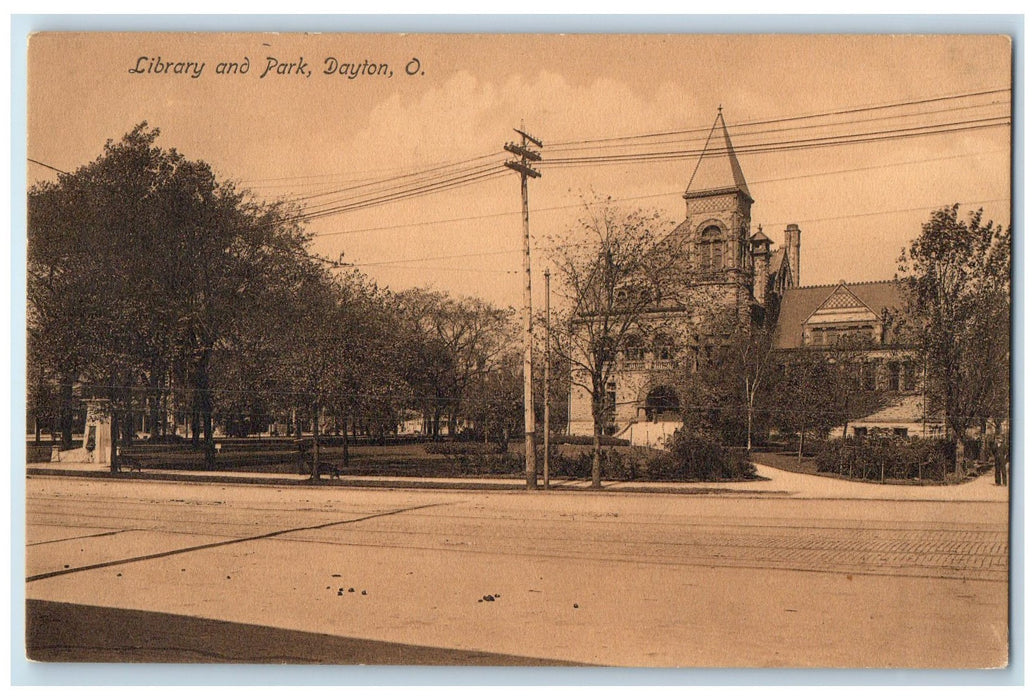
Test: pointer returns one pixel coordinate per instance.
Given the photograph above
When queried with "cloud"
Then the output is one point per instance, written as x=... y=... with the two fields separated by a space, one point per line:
x=465 y=116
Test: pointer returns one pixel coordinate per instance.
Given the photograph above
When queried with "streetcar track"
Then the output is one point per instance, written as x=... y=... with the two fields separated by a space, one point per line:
x=223 y=543
x=780 y=548
x=937 y=527
x=84 y=537
x=890 y=546
x=963 y=574
x=986 y=543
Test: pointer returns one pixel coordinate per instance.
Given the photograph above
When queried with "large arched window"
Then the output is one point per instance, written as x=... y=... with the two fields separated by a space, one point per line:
x=709 y=249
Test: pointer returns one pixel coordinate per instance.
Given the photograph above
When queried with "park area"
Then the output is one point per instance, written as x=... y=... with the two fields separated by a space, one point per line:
x=902 y=462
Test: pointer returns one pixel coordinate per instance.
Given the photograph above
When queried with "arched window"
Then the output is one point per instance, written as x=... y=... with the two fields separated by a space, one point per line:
x=633 y=350
x=664 y=348
x=710 y=249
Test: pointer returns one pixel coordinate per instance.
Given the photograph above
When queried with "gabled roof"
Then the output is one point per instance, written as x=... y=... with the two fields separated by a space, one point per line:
x=799 y=303
x=843 y=298
x=718 y=169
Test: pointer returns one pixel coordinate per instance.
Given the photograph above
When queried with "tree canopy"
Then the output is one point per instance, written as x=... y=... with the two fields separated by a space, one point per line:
x=957 y=279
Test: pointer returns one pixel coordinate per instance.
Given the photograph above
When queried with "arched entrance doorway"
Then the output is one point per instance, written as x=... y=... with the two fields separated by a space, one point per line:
x=662 y=403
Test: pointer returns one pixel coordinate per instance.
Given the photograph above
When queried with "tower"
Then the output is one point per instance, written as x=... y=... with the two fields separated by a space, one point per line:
x=716 y=231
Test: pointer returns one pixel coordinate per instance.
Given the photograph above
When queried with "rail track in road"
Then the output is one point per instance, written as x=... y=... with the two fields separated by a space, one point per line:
x=614 y=579
x=972 y=550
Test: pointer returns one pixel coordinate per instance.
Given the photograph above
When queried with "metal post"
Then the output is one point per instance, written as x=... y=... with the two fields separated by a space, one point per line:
x=546 y=389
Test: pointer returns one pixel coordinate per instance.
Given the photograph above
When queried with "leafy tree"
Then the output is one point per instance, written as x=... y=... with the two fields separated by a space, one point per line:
x=142 y=268
x=495 y=400
x=957 y=283
x=451 y=343
x=802 y=395
x=730 y=381
x=612 y=273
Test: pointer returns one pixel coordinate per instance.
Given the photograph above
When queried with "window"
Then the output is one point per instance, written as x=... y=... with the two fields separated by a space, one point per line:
x=610 y=401
x=908 y=377
x=634 y=350
x=663 y=349
x=868 y=377
x=860 y=432
x=894 y=376
x=710 y=249
x=900 y=432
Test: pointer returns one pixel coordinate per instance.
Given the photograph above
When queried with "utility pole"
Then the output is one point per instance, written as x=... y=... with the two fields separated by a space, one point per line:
x=546 y=389
x=523 y=168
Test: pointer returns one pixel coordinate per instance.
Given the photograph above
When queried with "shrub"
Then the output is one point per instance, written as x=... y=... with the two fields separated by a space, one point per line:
x=484 y=464
x=872 y=457
x=461 y=448
x=605 y=440
x=694 y=457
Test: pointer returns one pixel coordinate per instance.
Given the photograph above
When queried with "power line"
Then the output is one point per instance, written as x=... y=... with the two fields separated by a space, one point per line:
x=751 y=149
x=778 y=120
x=407 y=188
x=491 y=215
x=789 y=145
x=37 y=162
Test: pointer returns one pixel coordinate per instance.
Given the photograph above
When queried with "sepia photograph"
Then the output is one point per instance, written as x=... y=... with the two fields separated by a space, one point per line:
x=519 y=350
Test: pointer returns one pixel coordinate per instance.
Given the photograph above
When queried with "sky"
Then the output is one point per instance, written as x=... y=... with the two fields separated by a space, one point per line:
x=317 y=137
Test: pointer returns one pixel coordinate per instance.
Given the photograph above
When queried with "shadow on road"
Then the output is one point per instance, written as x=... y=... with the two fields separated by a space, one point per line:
x=67 y=632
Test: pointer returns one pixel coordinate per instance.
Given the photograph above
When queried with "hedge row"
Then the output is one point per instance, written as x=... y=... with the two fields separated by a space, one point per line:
x=461 y=448
x=881 y=458
x=690 y=458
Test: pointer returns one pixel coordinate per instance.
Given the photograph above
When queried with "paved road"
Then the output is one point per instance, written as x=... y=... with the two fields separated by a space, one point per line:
x=594 y=578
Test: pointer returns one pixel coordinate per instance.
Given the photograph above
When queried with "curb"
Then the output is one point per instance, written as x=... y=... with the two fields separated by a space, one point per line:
x=396 y=483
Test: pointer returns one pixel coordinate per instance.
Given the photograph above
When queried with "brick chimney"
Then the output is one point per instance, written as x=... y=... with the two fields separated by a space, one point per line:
x=792 y=244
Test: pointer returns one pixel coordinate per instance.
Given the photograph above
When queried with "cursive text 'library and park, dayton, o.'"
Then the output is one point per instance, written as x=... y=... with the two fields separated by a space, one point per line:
x=272 y=67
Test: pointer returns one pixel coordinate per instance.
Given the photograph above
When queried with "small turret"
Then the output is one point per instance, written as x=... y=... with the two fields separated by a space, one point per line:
x=760 y=258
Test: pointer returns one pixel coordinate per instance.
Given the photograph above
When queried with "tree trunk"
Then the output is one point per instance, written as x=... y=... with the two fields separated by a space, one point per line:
x=114 y=422
x=345 y=446
x=66 y=410
x=195 y=424
x=205 y=409
x=316 y=442
x=596 y=455
x=999 y=455
x=751 y=415
x=154 y=406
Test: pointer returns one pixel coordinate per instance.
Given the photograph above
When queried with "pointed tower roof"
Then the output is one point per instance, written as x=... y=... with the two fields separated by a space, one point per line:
x=759 y=236
x=717 y=169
